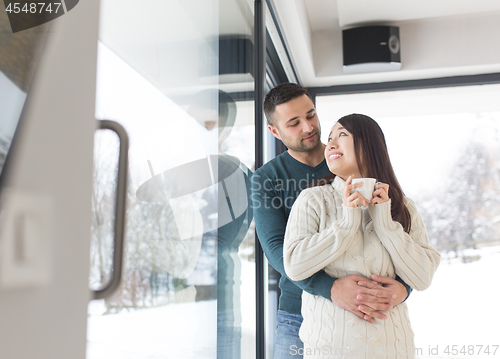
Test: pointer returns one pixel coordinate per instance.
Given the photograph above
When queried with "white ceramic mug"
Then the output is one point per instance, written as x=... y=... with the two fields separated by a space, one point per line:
x=367 y=188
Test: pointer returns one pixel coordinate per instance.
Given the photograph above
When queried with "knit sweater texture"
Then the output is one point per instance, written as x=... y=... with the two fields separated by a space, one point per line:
x=324 y=234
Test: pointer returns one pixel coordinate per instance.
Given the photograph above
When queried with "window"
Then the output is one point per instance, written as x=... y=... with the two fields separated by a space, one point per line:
x=189 y=279
x=444 y=145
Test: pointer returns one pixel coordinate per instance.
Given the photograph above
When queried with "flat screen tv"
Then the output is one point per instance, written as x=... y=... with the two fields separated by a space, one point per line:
x=19 y=55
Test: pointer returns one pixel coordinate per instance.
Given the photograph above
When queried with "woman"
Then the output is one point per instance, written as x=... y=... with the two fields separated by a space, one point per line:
x=327 y=230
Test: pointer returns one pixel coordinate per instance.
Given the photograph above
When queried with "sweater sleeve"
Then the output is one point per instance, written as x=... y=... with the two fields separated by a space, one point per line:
x=415 y=260
x=310 y=245
x=270 y=223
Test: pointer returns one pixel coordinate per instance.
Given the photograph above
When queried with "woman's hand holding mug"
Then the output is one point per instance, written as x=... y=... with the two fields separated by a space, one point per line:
x=355 y=198
x=380 y=194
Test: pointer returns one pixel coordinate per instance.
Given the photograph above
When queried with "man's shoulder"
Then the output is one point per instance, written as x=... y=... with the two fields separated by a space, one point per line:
x=275 y=165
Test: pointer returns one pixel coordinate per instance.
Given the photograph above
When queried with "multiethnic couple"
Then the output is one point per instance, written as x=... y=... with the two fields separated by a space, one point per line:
x=347 y=262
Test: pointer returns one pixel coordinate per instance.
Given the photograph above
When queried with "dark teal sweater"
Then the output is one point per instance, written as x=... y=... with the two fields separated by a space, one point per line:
x=275 y=187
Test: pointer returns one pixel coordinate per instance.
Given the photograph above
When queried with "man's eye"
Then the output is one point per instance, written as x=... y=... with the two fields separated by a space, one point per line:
x=311 y=116
x=295 y=124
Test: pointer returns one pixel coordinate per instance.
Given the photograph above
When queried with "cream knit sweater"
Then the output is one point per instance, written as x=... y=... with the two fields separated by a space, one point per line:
x=324 y=234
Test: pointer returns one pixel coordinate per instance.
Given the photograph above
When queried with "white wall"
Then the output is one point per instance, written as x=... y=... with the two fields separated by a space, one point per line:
x=55 y=161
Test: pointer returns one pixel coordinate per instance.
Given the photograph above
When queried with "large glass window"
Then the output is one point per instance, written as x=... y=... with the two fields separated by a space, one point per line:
x=444 y=145
x=175 y=74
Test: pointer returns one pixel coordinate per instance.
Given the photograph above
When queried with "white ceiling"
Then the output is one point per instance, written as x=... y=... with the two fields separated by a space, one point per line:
x=353 y=12
x=335 y=14
x=438 y=38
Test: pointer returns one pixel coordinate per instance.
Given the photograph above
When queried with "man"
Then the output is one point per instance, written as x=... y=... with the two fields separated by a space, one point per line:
x=216 y=111
x=292 y=118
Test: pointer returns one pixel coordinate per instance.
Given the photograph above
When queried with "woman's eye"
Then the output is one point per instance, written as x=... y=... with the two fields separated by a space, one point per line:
x=329 y=139
x=342 y=134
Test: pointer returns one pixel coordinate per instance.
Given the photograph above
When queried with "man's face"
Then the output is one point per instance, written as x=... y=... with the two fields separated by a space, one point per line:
x=207 y=117
x=297 y=124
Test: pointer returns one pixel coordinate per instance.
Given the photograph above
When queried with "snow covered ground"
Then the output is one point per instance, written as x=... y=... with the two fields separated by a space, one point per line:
x=460 y=308
x=177 y=331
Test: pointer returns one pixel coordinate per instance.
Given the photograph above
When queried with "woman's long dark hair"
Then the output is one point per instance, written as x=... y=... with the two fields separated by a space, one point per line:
x=373 y=161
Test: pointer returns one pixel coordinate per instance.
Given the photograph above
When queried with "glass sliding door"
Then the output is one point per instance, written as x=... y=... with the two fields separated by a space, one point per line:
x=178 y=75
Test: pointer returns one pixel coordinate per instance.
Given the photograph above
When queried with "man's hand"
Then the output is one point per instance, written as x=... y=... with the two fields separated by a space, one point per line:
x=392 y=285
x=397 y=290
x=367 y=299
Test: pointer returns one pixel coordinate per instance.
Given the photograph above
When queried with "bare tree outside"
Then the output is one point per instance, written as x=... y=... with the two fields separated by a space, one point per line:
x=465 y=214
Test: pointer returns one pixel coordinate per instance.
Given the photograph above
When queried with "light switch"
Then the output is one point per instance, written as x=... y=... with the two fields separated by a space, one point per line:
x=26 y=245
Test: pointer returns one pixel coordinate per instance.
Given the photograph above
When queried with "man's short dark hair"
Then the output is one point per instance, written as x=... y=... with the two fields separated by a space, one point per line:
x=279 y=95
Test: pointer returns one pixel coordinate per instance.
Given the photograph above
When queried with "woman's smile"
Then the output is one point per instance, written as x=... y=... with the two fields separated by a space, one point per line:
x=334 y=156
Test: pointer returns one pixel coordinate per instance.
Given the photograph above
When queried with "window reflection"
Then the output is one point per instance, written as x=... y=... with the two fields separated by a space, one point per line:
x=189 y=277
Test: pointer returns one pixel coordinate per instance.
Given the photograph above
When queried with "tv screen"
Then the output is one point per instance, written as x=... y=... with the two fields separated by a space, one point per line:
x=19 y=54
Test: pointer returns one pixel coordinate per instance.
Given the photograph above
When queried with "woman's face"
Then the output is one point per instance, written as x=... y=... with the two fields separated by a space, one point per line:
x=339 y=153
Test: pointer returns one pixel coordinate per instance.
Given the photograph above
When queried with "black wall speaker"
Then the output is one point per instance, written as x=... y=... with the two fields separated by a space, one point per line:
x=371 y=49
x=235 y=55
